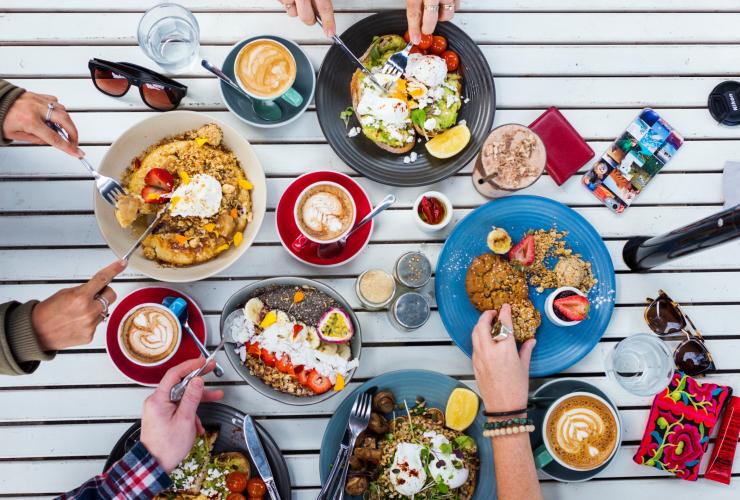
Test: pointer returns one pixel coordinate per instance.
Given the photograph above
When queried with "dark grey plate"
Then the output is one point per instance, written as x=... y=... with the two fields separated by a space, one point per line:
x=241 y=297
x=305 y=84
x=555 y=389
x=333 y=96
x=230 y=438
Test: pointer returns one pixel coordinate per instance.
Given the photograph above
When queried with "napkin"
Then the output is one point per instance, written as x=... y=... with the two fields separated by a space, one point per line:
x=680 y=422
x=566 y=149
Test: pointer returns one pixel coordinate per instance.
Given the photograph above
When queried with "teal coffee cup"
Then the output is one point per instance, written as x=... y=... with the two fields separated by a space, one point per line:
x=581 y=431
x=266 y=70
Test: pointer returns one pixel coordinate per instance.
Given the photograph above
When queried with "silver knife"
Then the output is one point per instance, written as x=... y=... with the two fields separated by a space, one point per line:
x=354 y=58
x=257 y=452
x=146 y=232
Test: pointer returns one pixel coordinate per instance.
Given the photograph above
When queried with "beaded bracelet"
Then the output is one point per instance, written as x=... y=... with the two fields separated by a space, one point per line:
x=507 y=427
x=529 y=407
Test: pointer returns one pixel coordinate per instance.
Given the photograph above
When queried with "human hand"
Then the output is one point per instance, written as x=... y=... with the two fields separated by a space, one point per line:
x=304 y=9
x=69 y=317
x=502 y=373
x=26 y=121
x=168 y=429
x=422 y=16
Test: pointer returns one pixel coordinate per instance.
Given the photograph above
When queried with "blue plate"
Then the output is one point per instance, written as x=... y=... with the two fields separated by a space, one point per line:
x=557 y=348
x=305 y=84
x=435 y=388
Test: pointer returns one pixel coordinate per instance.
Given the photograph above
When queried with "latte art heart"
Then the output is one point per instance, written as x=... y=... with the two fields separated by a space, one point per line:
x=150 y=334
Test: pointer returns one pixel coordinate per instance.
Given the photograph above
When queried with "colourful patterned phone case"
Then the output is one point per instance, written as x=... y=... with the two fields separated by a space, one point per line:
x=679 y=425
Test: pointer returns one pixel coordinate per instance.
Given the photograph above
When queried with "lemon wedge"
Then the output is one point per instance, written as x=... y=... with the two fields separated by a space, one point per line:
x=450 y=142
x=462 y=408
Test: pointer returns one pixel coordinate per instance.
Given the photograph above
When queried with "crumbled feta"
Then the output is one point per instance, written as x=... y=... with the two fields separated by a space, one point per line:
x=411 y=158
x=467 y=100
x=353 y=131
x=430 y=124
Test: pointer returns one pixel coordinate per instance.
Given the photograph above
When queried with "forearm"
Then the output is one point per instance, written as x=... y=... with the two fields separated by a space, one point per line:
x=516 y=477
x=8 y=94
x=136 y=475
x=20 y=352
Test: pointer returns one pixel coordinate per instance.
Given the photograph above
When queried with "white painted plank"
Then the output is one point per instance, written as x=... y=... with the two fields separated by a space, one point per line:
x=593 y=124
x=278 y=160
x=397 y=225
x=354 y=5
x=95 y=368
x=120 y=28
x=512 y=60
x=691 y=188
x=511 y=92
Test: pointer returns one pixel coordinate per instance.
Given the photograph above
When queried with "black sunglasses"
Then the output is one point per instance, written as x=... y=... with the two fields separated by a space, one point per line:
x=665 y=317
x=157 y=91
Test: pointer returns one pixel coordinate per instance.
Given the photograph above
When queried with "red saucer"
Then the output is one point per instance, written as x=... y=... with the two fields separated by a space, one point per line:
x=188 y=350
x=288 y=231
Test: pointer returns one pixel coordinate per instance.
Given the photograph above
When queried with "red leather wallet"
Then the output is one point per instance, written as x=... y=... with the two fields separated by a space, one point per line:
x=566 y=149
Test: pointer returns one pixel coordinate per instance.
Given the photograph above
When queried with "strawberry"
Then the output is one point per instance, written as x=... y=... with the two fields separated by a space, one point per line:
x=152 y=194
x=574 y=307
x=160 y=178
x=318 y=383
x=523 y=252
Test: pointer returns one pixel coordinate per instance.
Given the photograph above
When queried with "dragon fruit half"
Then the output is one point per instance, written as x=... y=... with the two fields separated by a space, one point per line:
x=335 y=326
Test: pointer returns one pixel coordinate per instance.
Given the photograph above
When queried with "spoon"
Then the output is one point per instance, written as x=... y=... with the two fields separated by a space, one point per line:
x=331 y=250
x=267 y=110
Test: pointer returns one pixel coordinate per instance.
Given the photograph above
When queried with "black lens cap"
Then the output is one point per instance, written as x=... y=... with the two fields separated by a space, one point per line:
x=724 y=103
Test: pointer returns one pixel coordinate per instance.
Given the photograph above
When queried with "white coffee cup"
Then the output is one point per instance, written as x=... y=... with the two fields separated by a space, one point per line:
x=165 y=311
x=545 y=454
x=297 y=215
x=288 y=93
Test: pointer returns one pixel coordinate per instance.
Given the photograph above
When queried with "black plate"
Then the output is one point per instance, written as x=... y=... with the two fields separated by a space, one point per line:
x=230 y=438
x=333 y=96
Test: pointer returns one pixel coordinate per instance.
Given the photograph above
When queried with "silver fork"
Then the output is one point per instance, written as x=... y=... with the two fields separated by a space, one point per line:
x=359 y=417
x=395 y=66
x=109 y=189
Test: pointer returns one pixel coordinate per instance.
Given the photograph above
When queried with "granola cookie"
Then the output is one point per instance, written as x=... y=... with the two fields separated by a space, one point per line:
x=526 y=320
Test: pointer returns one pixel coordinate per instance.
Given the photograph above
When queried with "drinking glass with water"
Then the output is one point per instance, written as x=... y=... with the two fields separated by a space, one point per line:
x=169 y=34
x=641 y=363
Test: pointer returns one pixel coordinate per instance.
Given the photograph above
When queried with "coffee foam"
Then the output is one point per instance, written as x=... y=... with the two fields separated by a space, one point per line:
x=325 y=212
x=582 y=432
x=149 y=334
x=266 y=68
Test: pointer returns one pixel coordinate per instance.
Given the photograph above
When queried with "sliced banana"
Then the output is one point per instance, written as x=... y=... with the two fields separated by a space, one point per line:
x=344 y=351
x=282 y=318
x=498 y=240
x=312 y=337
x=252 y=310
x=327 y=348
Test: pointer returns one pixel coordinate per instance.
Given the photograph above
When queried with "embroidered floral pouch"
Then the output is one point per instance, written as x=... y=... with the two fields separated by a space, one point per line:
x=680 y=422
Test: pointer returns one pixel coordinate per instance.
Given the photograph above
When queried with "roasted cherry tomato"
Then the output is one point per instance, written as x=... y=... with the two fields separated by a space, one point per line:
x=439 y=45
x=256 y=487
x=236 y=482
x=452 y=60
x=284 y=365
x=416 y=50
x=253 y=349
x=426 y=42
x=406 y=36
x=318 y=383
x=235 y=496
x=303 y=377
x=268 y=358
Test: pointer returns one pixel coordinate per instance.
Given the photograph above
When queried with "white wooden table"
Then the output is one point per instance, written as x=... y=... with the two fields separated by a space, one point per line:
x=599 y=61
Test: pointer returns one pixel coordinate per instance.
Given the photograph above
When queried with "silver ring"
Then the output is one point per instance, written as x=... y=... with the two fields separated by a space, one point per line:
x=500 y=332
x=104 y=302
x=49 y=111
x=449 y=6
x=288 y=5
x=433 y=8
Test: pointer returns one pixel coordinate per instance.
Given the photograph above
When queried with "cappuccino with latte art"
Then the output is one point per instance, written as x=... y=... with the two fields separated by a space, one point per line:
x=581 y=431
x=149 y=334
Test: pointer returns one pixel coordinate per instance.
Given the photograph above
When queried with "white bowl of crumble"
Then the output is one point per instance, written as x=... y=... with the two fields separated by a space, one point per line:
x=213 y=182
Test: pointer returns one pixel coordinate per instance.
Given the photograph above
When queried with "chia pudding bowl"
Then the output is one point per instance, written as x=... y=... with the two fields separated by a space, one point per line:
x=279 y=295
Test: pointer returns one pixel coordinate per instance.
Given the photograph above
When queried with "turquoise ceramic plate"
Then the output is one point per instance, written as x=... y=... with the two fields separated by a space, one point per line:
x=435 y=388
x=557 y=348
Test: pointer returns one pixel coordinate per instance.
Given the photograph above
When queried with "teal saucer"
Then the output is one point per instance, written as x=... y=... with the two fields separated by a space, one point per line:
x=305 y=84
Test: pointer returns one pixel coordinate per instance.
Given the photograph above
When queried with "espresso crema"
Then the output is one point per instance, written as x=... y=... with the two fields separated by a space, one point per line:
x=582 y=432
x=150 y=334
x=266 y=68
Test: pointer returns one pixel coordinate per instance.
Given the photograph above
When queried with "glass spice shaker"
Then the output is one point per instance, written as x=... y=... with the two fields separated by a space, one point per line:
x=410 y=311
x=413 y=270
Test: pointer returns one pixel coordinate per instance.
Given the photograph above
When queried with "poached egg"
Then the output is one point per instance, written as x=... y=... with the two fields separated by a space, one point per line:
x=430 y=70
x=383 y=107
x=446 y=466
x=201 y=197
x=407 y=473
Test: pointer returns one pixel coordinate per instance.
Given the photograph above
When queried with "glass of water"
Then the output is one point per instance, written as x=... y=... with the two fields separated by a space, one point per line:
x=642 y=364
x=169 y=34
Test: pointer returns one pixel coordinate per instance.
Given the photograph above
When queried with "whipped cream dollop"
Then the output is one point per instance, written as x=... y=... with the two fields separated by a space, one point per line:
x=428 y=69
x=151 y=335
x=322 y=212
x=201 y=197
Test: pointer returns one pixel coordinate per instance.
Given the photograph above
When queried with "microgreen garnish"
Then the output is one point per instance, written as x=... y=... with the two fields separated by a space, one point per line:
x=346 y=115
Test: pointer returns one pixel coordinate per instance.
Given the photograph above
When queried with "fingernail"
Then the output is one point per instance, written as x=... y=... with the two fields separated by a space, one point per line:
x=122 y=263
